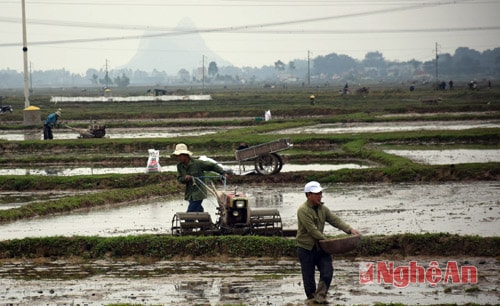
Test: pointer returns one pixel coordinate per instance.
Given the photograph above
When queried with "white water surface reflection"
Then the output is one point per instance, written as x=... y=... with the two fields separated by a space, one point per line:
x=118 y=133
x=431 y=157
x=383 y=127
x=70 y=171
x=377 y=209
x=334 y=128
x=449 y=157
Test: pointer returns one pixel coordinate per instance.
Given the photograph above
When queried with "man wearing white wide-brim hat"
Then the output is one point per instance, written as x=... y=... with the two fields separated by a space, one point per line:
x=311 y=216
x=190 y=170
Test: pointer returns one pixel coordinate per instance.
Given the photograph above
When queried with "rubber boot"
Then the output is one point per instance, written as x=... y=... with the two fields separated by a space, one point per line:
x=320 y=295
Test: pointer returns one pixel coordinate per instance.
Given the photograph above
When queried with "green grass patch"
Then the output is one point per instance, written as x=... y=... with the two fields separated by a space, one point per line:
x=166 y=246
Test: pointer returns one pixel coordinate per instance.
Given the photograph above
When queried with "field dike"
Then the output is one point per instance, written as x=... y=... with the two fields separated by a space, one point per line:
x=161 y=247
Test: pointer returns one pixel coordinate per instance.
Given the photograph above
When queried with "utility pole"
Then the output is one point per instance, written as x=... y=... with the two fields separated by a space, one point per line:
x=31 y=80
x=308 y=68
x=437 y=57
x=31 y=114
x=203 y=72
x=25 y=58
x=107 y=76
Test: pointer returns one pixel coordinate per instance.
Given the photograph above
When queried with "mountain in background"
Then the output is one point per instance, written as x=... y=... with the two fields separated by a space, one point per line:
x=171 y=53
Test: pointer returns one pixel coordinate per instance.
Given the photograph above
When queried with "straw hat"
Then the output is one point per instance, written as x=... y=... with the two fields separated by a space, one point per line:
x=58 y=113
x=181 y=149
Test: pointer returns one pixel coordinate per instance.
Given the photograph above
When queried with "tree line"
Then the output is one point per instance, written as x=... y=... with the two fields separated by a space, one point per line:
x=465 y=64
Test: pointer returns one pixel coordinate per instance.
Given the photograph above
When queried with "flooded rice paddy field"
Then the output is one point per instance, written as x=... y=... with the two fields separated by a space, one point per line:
x=430 y=157
x=116 y=133
x=335 y=128
x=71 y=171
x=449 y=157
x=461 y=208
x=383 y=127
x=378 y=209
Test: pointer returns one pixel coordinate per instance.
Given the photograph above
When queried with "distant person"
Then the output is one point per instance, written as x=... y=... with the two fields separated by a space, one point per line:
x=489 y=83
x=345 y=90
x=242 y=145
x=312 y=98
x=191 y=172
x=311 y=216
x=450 y=85
x=49 y=124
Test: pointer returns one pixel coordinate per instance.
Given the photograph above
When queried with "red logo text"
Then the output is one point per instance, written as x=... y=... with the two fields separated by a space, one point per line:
x=383 y=272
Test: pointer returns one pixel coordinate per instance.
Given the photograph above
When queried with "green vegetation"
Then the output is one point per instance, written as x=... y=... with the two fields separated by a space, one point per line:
x=85 y=182
x=284 y=103
x=160 y=247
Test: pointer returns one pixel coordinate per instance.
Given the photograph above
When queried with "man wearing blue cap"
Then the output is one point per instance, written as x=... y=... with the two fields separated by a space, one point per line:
x=312 y=215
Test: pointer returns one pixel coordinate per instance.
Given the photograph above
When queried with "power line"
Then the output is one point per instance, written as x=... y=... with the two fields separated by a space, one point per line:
x=372 y=31
x=281 y=32
x=262 y=25
x=238 y=3
x=231 y=29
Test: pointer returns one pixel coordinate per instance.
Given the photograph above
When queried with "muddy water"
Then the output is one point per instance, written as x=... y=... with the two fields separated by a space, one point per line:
x=116 y=133
x=374 y=209
x=70 y=171
x=382 y=127
x=447 y=157
x=379 y=209
x=250 y=282
x=337 y=128
x=432 y=157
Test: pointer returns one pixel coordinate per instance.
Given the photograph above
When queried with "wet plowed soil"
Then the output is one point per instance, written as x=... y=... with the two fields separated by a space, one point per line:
x=224 y=281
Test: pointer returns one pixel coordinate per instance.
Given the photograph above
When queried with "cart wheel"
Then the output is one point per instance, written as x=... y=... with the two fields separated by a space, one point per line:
x=280 y=163
x=267 y=164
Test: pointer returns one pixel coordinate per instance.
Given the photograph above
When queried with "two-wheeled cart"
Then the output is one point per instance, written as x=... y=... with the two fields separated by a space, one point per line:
x=262 y=158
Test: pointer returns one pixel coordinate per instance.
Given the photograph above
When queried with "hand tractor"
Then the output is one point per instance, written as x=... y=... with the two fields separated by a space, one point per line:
x=234 y=216
x=94 y=131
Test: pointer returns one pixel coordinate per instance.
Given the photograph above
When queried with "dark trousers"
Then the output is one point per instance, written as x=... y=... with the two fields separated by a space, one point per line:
x=309 y=261
x=47 y=132
x=195 y=206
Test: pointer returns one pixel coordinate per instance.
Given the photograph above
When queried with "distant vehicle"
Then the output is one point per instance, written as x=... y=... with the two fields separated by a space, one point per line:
x=5 y=109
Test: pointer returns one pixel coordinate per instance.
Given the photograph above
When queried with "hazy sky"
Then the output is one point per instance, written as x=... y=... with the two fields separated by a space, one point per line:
x=79 y=34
